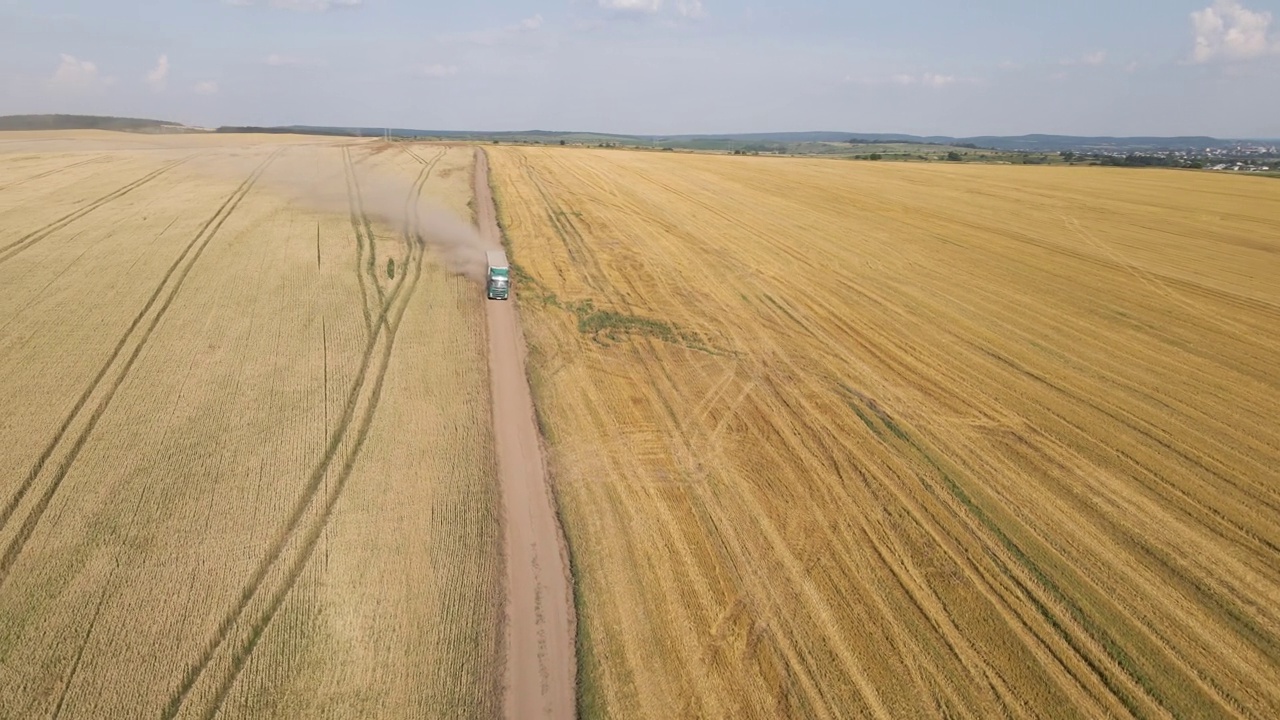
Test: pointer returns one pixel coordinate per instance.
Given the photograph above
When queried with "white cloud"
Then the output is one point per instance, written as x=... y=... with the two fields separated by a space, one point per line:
x=314 y=5
x=158 y=78
x=1091 y=59
x=299 y=5
x=688 y=9
x=636 y=6
x=208 y=87
x=928 y=80
x=78 y=75
x=1229 y=31
x=277 y=60
x=438 y=71
x=75 y=72
x=497 y=35
x=691 y=8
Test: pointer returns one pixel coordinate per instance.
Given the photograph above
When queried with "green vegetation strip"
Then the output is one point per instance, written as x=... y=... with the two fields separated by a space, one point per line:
x=608 y=327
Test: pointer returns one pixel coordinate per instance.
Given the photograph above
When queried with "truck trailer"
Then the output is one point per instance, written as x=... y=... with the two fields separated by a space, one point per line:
x=498 y=279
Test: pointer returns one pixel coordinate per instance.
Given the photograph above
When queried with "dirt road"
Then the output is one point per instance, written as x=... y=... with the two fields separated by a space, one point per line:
x=540 y=660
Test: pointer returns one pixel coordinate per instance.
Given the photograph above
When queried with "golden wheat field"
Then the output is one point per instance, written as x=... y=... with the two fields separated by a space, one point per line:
x=246 y=459
x=838 y=439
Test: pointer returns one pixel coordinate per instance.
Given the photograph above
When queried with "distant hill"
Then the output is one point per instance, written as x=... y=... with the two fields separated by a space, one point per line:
x=801 y=142
x=1026 y=143
x=783 y=141
x=86 y=122
x=1038 y=143
x=478 y=135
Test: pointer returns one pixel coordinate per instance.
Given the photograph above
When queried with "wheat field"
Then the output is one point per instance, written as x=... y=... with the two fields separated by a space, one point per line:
x=837 y=439
x=246 y=457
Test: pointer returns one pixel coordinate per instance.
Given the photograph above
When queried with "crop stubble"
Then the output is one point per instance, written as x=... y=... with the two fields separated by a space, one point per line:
x=226 y=492
x=839 y=439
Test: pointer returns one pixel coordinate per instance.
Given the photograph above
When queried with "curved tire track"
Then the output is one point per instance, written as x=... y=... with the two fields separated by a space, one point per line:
x=352 y=192
x=385 y=329
x=241 y=656
x=412 y=212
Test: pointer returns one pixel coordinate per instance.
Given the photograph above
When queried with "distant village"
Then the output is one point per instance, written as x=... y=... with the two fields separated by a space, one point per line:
x=1244 y=158
x=1252 y=158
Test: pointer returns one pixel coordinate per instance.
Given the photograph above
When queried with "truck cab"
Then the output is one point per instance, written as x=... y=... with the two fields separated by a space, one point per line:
x=498 y=277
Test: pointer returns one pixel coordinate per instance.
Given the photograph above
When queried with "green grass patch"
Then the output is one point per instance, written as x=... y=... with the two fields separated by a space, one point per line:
x=608 y=327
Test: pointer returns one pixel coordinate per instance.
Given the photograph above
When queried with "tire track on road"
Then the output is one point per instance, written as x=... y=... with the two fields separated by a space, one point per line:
x=200 y=241
x=25 y=242
x=541 y=628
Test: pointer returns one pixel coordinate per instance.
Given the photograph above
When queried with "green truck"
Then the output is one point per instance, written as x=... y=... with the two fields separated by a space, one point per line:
x=498 y=284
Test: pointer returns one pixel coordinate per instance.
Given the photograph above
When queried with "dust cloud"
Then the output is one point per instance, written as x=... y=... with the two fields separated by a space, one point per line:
x=315 y=178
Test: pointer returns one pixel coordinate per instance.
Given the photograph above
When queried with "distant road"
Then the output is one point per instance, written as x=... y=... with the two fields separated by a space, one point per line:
x=540 y=660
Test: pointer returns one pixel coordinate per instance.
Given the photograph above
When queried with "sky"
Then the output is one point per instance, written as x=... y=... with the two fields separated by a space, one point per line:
x=981 y=67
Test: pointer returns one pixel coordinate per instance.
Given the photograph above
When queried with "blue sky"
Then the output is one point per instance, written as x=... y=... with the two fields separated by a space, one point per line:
x=1115 y=67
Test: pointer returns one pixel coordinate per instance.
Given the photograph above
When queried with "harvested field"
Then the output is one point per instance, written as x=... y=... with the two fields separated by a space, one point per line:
x=840 y=439
x=246 y=455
